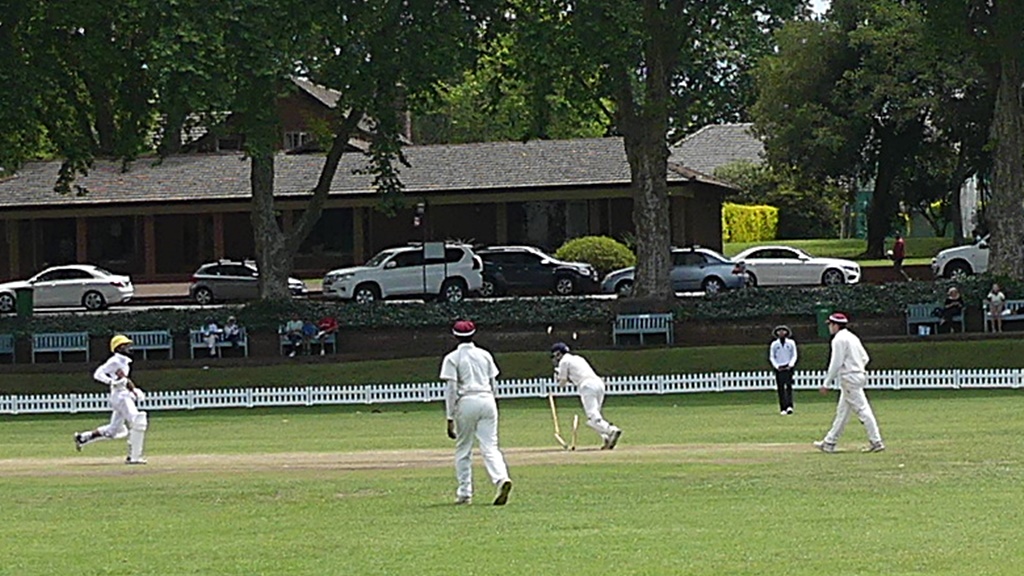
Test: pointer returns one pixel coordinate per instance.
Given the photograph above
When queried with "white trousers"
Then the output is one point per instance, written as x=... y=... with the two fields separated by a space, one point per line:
x=852 y=399
x=122 y=402
x=476 y=416
x=592 y=398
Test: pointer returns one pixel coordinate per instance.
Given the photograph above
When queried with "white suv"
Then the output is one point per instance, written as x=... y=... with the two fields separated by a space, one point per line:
x=960 y=260
x=450 y=272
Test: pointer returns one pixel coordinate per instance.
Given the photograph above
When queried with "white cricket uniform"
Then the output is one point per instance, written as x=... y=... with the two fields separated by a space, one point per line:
x=470 y=373
x=122 y=401
x=575 y=370
x=848 y=365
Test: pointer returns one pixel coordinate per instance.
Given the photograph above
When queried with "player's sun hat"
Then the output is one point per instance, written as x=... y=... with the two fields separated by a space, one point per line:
x=782 y=328
x=838 y=318
x=119 y=340
x=464 y=328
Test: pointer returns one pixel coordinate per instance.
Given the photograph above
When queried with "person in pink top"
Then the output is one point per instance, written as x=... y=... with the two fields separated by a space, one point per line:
x=848 y=367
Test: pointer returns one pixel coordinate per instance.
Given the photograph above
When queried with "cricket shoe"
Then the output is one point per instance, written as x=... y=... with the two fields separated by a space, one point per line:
x=874 y=447
x=463 y=500
x=134 y=462
x=503 y=489
x=614 y=438
x=606 y=441
x=828 y=447
x=79 y=442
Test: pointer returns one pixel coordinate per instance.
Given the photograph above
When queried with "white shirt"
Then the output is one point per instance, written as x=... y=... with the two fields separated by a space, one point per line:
x=467 y=370
x=107 y=373
x=848 y=356
x=780 y=354
x=573 y=369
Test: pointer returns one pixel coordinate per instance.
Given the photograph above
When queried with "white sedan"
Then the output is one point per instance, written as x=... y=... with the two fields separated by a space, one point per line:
x=69 y=286
x=783 y=265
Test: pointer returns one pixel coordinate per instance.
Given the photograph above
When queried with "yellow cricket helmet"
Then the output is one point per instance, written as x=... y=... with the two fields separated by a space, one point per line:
x=119 y=340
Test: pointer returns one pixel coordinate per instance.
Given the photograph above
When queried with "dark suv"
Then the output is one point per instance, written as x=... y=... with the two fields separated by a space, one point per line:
x=528 y=270
x=232 y=280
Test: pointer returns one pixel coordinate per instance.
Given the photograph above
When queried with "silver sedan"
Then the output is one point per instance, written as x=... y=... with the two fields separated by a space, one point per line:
x=72 y=285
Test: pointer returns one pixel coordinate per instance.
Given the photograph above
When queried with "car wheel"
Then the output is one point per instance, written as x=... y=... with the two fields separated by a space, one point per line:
x=6 y=302
x=203 y=296
x=565 y=285
x=366 y=293
x=94 y=301
x=453 y=290
x=624 y=288
x=833 y=277
x=957 y=268
x=713 y=285
x=751 y=280
x=487 y=289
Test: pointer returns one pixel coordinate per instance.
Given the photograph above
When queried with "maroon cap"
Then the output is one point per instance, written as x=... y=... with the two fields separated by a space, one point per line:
x=464 y=328
x=838 y=318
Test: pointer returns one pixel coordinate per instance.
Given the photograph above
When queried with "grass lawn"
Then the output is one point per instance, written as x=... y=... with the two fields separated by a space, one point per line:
x=913 y=354
x=707 y=484
x=919 y=250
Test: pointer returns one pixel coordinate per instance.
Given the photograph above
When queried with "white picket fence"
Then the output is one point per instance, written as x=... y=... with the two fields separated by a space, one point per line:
x=533 y=388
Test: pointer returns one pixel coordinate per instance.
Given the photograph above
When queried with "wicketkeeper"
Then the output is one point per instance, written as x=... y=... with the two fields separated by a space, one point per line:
x=574 y=369
x=126 y=419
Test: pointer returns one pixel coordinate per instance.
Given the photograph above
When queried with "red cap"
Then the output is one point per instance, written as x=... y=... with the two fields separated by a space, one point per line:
x=464 y=328
x=838 y=318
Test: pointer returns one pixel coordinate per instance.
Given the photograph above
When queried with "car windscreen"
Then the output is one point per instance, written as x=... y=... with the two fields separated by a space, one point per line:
x=379 y=258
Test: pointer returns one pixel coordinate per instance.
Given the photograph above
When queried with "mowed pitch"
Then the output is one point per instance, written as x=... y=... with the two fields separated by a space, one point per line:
x=388 y=460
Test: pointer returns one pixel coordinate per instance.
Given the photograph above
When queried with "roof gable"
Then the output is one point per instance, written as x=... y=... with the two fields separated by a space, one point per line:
x=716 y=145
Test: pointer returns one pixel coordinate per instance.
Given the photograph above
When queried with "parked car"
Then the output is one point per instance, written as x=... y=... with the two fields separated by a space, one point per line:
x=784 y=265
x=693 y=269
x=451 y=274
x=232 y=280
x=528 y=270
x=71 y=285
x=962 y=260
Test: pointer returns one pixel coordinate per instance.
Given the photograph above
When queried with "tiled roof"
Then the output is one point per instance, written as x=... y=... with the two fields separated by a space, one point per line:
x=490 y=166
x=717 y=145
x=324 y=94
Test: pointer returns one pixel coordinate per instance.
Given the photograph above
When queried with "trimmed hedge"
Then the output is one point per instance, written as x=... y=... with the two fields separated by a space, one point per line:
x=857 y=300
x=742 y=223
x=603 y=253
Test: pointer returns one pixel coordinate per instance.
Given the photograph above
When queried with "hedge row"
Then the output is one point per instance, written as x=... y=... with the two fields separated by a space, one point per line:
x=859 y=300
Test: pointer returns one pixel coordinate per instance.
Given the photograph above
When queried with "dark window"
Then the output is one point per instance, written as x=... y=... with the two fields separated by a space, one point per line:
x=452 y=255
x=410 y=258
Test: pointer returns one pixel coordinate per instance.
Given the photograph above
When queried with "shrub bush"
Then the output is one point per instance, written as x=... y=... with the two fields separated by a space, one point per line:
x=749 y=223
x=601 y=252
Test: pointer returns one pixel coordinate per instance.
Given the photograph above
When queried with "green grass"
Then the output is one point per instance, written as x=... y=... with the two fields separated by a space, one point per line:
x=919 y=250
x=705 y=484
x=913 y=354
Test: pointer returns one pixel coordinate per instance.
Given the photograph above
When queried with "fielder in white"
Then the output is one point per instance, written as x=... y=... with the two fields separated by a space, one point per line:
x=848 y=365
x=574 y=369
x=469 y=373
x=126 y=419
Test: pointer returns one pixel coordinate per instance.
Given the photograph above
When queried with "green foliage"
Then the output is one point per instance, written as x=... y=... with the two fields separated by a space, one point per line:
x=603 y=253
x=748 y=223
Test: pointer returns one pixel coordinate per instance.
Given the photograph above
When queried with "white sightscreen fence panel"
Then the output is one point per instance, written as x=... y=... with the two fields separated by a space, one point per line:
x=531 y=388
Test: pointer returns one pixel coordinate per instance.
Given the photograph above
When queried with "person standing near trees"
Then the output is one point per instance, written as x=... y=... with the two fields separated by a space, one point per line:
x=899 y=252
x=782 y=354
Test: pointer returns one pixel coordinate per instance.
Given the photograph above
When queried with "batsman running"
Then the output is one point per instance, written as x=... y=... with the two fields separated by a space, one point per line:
x=574 y=369
x=126 y=419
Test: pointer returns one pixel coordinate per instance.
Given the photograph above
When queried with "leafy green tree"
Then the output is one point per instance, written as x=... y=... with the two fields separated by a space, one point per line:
x=806 y=210
x=990 y=33
x=667 y=66
x=849 y=98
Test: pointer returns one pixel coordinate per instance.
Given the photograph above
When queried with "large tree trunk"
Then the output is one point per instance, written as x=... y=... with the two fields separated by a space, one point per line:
x=1006 y=217
x=896 y=147
x=648 y=161
x=272 y=254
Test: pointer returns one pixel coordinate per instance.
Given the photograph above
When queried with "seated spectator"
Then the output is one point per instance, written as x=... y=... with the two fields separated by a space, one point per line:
x=212 y=334
x=327 y=326
x=232 y=331
x=951 y=308
x=294 y=333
